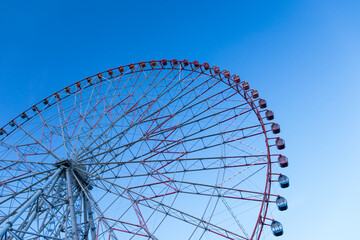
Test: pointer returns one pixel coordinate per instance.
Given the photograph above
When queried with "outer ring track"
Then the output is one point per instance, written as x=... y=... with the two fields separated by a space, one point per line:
x=194 y=66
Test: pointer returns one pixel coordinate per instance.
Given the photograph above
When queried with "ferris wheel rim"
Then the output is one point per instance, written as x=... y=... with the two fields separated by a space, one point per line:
x=195 y=67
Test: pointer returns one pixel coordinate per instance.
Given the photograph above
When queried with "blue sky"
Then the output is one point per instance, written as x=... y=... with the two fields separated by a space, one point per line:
x=302 y=56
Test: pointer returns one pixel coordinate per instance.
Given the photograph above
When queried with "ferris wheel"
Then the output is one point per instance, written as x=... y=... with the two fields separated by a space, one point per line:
x=163 y=150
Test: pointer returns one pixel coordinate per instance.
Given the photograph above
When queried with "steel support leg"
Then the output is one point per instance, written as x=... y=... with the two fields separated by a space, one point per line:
x=34 y=213
x=75 y=235
x=86 y=221
x=91 y=219
x=11 y=221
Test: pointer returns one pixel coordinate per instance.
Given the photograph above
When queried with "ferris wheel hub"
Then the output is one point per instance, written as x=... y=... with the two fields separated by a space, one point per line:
x=78 y=170
x=64 y=163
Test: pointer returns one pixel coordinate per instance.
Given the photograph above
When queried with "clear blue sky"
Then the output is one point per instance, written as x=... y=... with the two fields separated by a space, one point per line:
x=302 y=56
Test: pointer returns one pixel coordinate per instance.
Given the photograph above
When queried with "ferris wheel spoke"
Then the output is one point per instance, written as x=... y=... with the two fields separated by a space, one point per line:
x=47 y=125
x=189 y=219
x=185 y=107
x=198 y=164
x=248 y=177
x=92 y=128
x=131 y=228
x=16 y=179
x=177 y=214
x=189 y=122
x=205 y=100
x=189 y=169
x=210 y=190
x=125 y=226
x=202 y=148
x=7 y=177
x=107 y=143
x=144 y=121
x=40 y=144
x=150 y=115
x=126 y=112
x=152 y=204
x=181 y=159
x=206 y=190
x=133 y=155
x=173 y=160
x=15 y=169
x=126 y=146
x=28 y=187
x=140 y=216
x=182 y=125
x=105 y=154
x=86 y=113
x=61 y=114
x=223 y=133
x=25 y=162
x=83 y=119
x=201 y=130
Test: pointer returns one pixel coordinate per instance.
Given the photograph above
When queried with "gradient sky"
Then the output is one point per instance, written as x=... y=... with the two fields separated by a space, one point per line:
x=302 y=56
